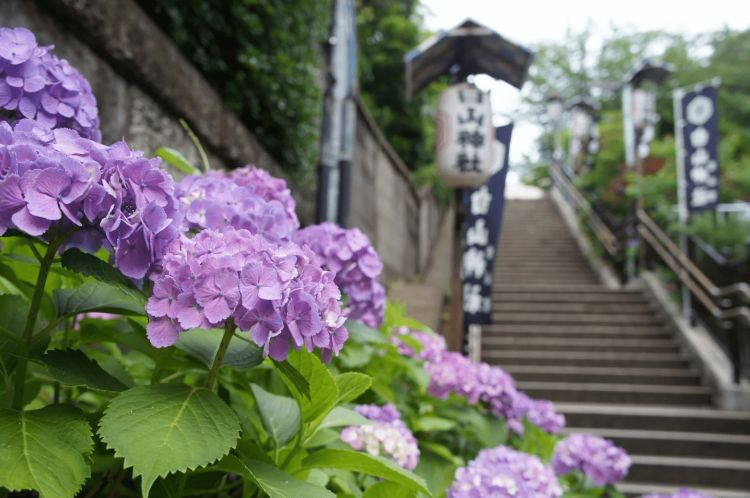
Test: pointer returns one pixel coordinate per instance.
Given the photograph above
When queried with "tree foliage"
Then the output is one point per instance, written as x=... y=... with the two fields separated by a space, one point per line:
x=387 y=30
x=587 y=64
x=264 y=57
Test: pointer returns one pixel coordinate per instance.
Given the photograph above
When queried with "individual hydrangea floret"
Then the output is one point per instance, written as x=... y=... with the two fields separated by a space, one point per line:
x=349 y=254
x=34 y=84
x=597 y=458
x=387 y=436
x=248 y=198
x=505 y=473
x=274 y=291
x=55 y=180
x=680 y=493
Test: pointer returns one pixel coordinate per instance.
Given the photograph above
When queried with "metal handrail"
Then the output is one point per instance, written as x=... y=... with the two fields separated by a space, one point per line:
x=602 y=232
x=741 y=289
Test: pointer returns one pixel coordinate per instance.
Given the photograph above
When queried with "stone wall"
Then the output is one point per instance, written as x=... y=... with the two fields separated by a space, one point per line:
x=401 y=221
x=144 y=85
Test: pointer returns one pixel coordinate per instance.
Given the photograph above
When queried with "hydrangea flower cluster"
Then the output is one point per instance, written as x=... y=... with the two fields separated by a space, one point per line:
x=453 y=373
x=599 y=459
x=680 y=493
x=505 y=473
x=34 y=84
x=275 y=291
x=348 y=253
x=388 y=435
x=101 y=195
x=433 y=345
x=247 y=198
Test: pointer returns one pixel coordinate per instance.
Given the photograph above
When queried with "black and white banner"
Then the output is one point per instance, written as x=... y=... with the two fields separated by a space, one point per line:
x=484 y=213
x=697 y=141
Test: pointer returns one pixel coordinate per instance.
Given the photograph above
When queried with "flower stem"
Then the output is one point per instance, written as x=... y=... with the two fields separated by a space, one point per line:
x=28 y=332
x=213 y=374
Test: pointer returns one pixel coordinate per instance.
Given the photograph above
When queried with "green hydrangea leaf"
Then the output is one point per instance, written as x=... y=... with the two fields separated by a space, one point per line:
x=388 y=490
x=98 y=296
x=324 y=393
x=341 y=416
x=280 y=414
x=202 y=344
x=175 y=159
x=367 y=464
x=78 y=261
x=45 y=450
x=73 y=368
x=273 y=481
x=351 y=385
x=165 y=428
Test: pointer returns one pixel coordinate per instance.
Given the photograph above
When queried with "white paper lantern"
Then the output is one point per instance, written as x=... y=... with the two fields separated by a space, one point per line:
x=465 y=136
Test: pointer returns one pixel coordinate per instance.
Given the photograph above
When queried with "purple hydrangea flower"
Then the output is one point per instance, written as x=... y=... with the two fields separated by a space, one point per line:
x=111 y=196
x=597 y=458
x=505 y=473
x=387 y=436
x=248 y=198
x=275 y=291
x=433 y=345
x=34 y=84
x=350 y=256
x=452 y=373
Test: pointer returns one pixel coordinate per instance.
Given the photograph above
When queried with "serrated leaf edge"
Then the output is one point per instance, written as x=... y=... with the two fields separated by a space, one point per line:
x=127 y=464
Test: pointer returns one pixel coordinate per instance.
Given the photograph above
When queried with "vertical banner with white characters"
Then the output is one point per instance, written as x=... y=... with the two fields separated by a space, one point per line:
x=484 y=213
x=697 y=141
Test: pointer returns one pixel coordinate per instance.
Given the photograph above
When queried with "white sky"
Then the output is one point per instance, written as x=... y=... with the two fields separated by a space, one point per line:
x=530 y=22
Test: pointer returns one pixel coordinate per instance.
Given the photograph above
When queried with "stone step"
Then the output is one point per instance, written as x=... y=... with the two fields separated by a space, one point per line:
x=603 y=375
x=490 y=342
x=532 y=278
x=687 y=472
x=581 y=330
x=574 y=307
x=576 y=318
x=577 y=358
x=638 y=489
x=585 y=392
x=655 y=418
x=674 y=443
x=586 y=289
x=543 y=296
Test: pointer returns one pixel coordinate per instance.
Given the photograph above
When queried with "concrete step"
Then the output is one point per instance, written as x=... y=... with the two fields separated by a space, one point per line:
x=675 y=443
x=579 y=330
x=655 y=418
x=603 y=375
x=490 y=342
x=545 y=295
x=531 y=277
x=687 y=472
x=638 y=489
x=576 y=318
x=577 y=358
x=586 y=289
x=575 y=307
x=586 y=392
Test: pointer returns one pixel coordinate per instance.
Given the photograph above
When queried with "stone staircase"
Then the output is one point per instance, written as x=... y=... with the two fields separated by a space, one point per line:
x=608 y=361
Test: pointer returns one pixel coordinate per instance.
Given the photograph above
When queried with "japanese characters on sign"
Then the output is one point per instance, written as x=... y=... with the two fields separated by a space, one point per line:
x=464 y=136
x=484 y=213
x=698 y=140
